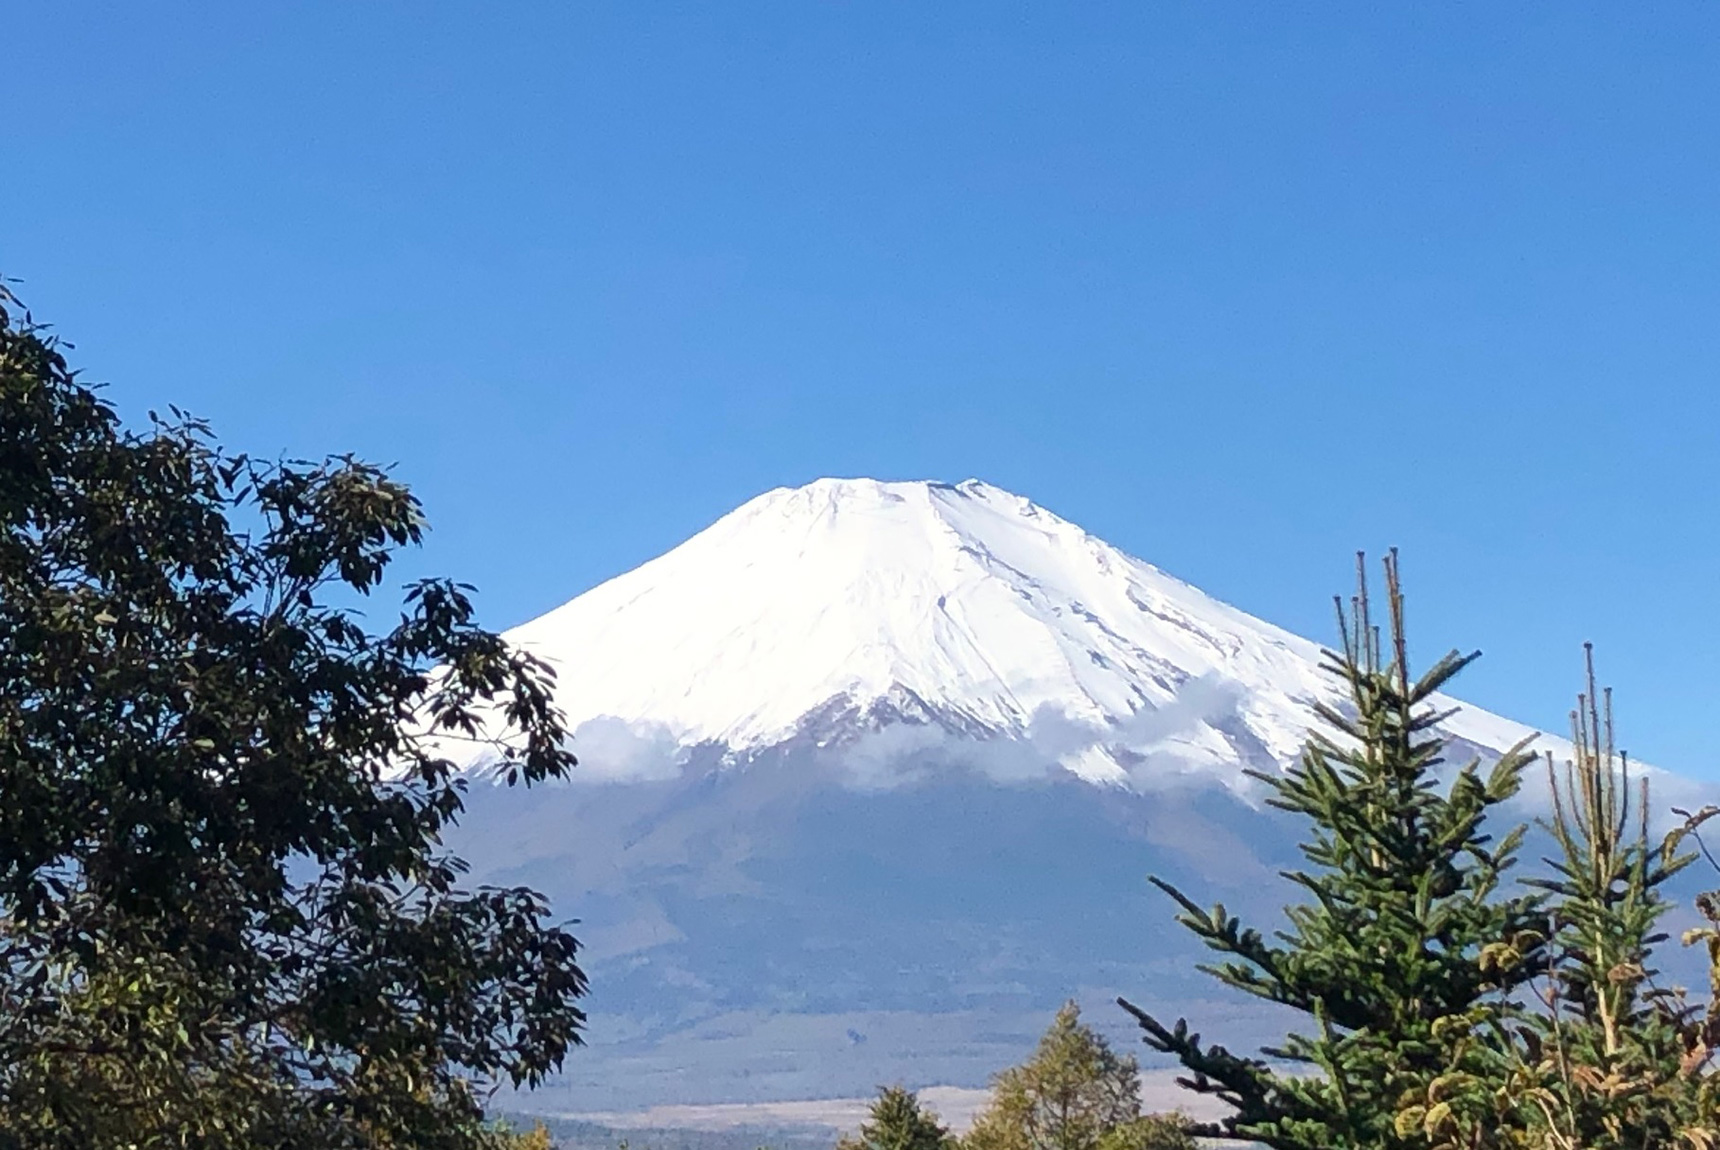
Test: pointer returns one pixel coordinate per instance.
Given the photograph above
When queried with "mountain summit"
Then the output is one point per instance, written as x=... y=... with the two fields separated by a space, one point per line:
x=898 y=758
x=850 y=606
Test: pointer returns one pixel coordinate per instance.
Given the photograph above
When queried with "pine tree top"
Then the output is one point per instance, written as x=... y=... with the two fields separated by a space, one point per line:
x=898 y=1121
x=1402 y=892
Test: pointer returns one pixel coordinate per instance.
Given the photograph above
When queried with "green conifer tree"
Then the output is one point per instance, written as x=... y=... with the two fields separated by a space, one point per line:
x=1600 y=1057
x=1075 y=1093
x=1607 y=908
x=899 y=1122
x=1404 y=884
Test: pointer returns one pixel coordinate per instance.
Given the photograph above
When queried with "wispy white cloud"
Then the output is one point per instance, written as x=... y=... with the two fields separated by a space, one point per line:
x=612 y=750
x=1156 y=748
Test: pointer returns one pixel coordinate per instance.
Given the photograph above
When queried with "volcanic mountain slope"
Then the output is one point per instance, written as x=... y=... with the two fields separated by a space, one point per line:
x=871 y=777
x=850 y=606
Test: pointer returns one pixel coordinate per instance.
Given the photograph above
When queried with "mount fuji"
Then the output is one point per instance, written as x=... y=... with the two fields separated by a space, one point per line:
x=828 y=614
x=871 y=777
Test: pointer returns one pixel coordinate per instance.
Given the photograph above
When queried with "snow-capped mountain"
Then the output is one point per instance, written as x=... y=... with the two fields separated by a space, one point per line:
x=851 y=605
x=871 y=778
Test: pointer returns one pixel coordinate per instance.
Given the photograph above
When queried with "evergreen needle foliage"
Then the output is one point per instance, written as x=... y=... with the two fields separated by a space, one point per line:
x=1403 y=895
x=898 y=1122
x=1075 y=1093
x=1601 y=1058
x=225 y=917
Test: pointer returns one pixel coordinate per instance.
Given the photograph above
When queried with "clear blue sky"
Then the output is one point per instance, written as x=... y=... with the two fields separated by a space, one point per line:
x=1239 y=287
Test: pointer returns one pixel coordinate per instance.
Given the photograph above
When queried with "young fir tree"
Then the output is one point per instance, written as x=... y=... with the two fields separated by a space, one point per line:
x=1075 y=1093
x=1607 y=909
x=899 y=1122
x=1604 y=1058
x=1404 y=884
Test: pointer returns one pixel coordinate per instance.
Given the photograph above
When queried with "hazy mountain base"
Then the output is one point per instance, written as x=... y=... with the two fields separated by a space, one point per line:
x=571 y=1134
x=791 y=1125
x=768 y=932
x=574 y=1134
x=771 y=931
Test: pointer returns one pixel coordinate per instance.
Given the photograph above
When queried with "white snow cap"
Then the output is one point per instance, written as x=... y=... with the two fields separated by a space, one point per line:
x=960 y=603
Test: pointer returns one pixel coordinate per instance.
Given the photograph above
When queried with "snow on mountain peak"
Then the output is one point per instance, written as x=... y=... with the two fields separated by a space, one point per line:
x=956 y=608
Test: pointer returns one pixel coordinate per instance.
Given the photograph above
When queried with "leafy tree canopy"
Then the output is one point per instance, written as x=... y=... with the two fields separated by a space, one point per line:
x=225 y=916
